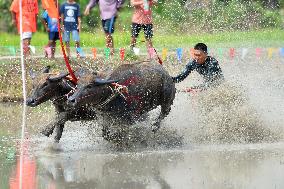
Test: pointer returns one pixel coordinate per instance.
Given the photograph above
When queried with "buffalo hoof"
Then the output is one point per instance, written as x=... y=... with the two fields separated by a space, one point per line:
x=46 y=132
x=155 y=127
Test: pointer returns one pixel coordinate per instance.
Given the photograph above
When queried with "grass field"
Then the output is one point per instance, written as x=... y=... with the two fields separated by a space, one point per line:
x=258 y=38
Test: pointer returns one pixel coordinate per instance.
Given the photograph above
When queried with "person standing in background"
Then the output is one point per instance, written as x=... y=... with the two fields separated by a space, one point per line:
x=142 y=19
x=108 y=12
x=51 y=26
x=71 y=17
x=29 y=16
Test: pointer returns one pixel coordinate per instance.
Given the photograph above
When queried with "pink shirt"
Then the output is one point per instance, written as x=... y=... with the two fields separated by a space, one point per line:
x=140 y=15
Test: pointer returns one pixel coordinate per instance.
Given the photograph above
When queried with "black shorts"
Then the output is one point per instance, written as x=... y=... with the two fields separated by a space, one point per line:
x=148 y=30
x=108 y=25
x=53 y=36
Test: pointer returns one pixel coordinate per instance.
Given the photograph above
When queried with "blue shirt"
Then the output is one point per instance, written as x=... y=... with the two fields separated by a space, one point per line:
x=51 y=22
x=210 y=71
x=71 y=12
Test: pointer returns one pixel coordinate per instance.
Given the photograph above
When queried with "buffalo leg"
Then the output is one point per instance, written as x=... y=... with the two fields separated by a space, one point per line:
x=165 y=110
x=58 y=132
x=48 y=129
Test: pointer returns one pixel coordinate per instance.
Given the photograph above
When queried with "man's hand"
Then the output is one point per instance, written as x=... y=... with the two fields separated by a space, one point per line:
x=87 y=11
x=14 y=22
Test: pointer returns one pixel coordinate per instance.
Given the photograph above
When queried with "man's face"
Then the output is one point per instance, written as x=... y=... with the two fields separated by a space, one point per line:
x=199 y=56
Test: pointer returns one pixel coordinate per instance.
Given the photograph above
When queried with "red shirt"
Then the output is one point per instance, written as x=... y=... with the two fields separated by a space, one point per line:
x=29 y=12
x=141 y=16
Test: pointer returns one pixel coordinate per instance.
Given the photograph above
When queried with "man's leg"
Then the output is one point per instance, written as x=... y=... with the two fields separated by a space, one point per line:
x=67 y=42
x=53 y=46
x=109 y=43
x=26 y=48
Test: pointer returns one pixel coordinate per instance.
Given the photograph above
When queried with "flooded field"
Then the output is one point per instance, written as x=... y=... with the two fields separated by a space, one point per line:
x=231 y=137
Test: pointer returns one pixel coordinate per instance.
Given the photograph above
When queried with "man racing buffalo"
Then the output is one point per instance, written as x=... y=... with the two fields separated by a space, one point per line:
x=205 y=65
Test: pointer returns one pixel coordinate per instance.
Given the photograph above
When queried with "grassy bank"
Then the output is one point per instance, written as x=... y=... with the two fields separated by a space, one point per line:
x=258 y=38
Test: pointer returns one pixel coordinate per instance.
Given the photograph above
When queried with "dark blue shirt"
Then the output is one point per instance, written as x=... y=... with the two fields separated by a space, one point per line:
x=71 y=12
x=210 y=71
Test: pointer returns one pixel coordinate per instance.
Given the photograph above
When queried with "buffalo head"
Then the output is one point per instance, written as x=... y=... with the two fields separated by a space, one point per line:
x=91 y=89
x=45 y=87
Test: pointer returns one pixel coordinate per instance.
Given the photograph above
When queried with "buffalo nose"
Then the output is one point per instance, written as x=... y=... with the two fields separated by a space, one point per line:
x=71 y=101
x=30 y=102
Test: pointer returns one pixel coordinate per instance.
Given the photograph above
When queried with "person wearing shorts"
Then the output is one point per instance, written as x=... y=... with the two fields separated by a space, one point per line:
x=51 y=26
x=142 y=19
x=71 y=16
x=108 y=13
x=29 y=15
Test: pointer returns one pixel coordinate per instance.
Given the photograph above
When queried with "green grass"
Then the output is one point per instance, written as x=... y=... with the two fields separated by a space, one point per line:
x=259 y=38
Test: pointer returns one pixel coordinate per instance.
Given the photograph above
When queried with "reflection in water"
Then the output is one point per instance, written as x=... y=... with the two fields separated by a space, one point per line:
x=237 y=167
x=28 y=167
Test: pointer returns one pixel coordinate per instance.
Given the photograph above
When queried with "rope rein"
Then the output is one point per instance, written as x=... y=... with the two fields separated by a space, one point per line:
x=118 y=90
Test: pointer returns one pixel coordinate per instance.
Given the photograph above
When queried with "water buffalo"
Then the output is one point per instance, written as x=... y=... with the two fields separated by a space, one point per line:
x=140 y=87
x=56 y=87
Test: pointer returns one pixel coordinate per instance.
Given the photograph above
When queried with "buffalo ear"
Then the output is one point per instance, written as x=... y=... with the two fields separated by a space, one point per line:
x=57 y=78
x=46 y=69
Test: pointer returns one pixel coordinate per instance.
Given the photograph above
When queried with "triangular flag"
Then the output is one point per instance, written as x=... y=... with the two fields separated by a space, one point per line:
x=32 y=49
x=191 y=52
x=220 y=52
x=179 y=54
x=136 y=50
x=270 y=52
x=122 y=53
x=107 y=52
x=232 y=52
x=164 y=54
x=94 y=50
x=258 y=52
x=282 y=51
x=12 y=50
x=51 y=8
x=244 y=53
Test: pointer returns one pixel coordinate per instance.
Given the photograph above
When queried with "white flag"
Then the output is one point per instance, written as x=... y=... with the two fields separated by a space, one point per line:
x=244 y=53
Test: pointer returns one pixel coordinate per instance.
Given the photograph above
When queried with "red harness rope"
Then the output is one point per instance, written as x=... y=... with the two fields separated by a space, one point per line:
x=74 y=79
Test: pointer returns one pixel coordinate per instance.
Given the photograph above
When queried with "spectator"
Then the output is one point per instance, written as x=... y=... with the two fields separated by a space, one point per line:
x=29 y=14
x=71 y=16
x=108 y=12
x=51 y=26
x=142 y=19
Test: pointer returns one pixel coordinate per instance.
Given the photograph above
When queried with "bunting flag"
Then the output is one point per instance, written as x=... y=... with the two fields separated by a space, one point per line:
x=258 y=52
x=107 y=52
x=244 y=53
x=232 y=53
x=32 y=49
x=12 y=50
x=51 y=8
x=164 y=54
x=270 y=52
x=179 y=54
x=220 y=52
x=94 y=50
x=282 y=51
x=191 y=52
x=122 y=53
x=136 y=51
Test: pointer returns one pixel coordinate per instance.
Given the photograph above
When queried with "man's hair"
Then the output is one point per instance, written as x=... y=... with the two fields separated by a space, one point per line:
x=201 y=47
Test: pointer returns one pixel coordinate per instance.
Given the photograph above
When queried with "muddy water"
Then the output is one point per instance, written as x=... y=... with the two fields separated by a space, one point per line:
x=231 y=137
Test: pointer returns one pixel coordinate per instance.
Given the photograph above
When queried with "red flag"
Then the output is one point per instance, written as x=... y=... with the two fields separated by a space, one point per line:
x=51 y=7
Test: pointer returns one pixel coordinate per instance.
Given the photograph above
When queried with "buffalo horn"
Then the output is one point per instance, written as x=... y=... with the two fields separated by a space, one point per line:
x=103 y=81
x=56 y=78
